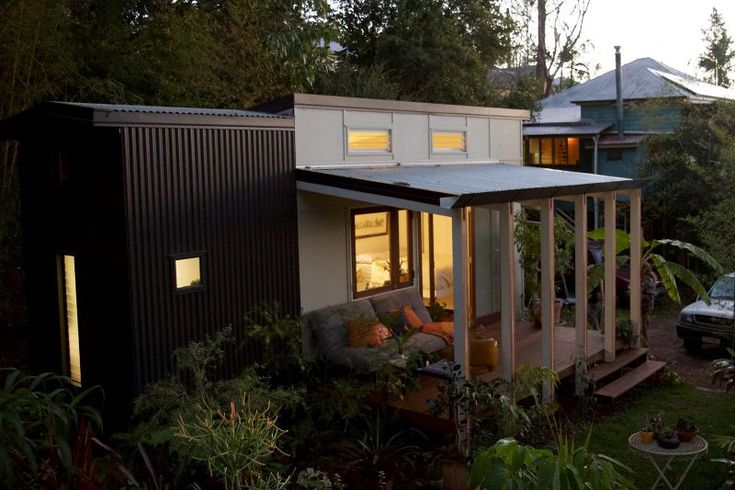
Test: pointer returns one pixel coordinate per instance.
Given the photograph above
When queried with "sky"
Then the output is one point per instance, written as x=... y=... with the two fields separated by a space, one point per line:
x=669 y=31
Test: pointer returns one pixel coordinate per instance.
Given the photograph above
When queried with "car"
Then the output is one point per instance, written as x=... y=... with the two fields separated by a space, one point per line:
x=711 y=323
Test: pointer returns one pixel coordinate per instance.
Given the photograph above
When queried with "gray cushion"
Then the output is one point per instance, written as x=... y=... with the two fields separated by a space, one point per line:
x=330 y=324
x=396 y=299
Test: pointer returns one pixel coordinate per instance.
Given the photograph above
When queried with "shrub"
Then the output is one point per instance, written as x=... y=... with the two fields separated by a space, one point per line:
x=40 y=417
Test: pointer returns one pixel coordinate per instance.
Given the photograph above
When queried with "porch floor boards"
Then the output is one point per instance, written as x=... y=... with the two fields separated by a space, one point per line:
x=413 y=406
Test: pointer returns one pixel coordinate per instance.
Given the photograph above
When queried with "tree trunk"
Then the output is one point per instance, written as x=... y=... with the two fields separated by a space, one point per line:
x=541 y=72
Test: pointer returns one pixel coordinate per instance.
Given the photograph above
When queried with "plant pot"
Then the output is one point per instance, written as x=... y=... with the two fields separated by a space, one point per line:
x=668 y=442
x=686 y=436
x=646 y=437
x=558 y=305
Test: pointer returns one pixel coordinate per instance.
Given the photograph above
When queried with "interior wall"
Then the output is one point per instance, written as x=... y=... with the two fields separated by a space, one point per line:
x=486 y=261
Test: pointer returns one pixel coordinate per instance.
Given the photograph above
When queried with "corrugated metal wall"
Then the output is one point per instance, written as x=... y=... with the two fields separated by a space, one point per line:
x=229 y=193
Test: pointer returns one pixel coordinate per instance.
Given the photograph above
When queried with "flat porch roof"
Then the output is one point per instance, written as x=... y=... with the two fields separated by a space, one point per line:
x=459 y=185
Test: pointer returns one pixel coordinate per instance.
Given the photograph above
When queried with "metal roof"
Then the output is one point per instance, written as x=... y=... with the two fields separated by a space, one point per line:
x=613 y=140
x=457 y=185
x=55 y=114
x=565 y=130
x=643 y=78
x=152 y=109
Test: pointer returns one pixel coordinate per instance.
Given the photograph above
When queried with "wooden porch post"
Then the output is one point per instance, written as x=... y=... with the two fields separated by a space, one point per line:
x=610 y=269
x=547 y=289
x=459 y=270
x=635 y=264
x=507 y=290
x=580 y=288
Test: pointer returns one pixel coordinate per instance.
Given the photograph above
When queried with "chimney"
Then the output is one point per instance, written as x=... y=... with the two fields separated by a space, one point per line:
x=619 y=91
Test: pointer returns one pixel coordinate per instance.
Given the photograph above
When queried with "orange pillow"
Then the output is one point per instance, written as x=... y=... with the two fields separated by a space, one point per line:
x=366 y=334
x=412 y=319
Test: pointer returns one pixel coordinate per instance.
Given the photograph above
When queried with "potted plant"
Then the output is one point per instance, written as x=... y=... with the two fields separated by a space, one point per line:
x=652 y=427
x=528 y=241
x=686 y=430
x=646 y=434
x=668 y=439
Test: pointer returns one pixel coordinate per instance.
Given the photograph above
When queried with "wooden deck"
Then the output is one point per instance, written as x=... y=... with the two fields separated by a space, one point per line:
x=413 y=407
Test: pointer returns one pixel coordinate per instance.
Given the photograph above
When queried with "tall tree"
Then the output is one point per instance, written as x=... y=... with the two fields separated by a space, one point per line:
x=565 y=43
x=718 y=55
x=435 y=51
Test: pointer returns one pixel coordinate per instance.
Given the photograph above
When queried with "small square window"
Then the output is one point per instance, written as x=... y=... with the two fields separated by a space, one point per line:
x=188 y=272
x=368 y=140
x=614 y=155
x=448 y=141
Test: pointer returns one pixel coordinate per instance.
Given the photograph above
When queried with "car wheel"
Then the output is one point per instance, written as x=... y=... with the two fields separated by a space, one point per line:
x=692 y=345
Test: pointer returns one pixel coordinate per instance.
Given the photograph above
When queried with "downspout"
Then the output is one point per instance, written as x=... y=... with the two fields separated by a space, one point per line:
x=619 y=91
x=595 y=200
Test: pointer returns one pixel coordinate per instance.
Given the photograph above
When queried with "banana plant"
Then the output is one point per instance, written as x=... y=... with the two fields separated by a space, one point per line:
x=653 y=262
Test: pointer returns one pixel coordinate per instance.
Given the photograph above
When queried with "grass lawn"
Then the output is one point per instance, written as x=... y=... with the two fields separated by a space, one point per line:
x=713 y=412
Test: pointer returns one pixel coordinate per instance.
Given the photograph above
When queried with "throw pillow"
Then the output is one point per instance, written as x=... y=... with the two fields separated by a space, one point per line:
x=412 y=319
x=366 y=333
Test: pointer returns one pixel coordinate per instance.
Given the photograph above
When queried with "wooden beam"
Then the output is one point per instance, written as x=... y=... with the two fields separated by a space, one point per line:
x=459 y=269
x=580 y=288
x=610 y=269
x=507 y=291
x=547 y=289
x=635 y=264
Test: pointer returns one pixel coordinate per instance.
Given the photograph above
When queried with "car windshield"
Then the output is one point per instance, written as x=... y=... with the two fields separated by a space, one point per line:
x=724 y=288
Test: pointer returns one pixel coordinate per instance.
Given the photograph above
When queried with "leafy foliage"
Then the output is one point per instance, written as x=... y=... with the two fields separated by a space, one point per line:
x=722 y=371
x=181 y=398
x=718 y=55
x=40 y=416
x=510 y=465
x=692 y=194
x=236 y=445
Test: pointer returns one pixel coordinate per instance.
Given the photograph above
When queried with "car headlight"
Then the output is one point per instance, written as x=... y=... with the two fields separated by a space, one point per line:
x=686 y=317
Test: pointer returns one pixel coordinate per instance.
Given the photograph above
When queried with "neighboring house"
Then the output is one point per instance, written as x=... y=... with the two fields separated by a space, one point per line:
x=578 y=128
x=149 y=227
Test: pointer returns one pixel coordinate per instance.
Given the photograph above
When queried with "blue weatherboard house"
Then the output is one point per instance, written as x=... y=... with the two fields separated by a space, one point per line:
x=600 y=126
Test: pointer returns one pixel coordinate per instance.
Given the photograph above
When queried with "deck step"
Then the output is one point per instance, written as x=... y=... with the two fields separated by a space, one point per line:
x=630 y=379
x=622 y=359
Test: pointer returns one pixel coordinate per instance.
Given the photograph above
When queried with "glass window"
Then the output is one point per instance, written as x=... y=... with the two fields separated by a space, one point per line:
x=448 y=141
x=372 y=140
x=547 y=152
x=552 y=151
x=614 y=155
x=71 y=319
x=188 y=272
x=382 y=250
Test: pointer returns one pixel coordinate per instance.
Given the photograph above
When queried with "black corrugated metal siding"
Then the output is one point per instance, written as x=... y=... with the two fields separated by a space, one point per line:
x=229 y=193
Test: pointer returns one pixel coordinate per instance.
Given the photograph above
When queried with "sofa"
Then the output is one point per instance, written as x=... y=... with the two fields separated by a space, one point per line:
x=330 y=327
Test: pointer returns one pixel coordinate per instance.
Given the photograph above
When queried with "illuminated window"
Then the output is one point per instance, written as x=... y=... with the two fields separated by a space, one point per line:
x=381 y=239
x=188 y=272
x=70 y=317
x=448 y=141
x=552 y=151
x=368 y=140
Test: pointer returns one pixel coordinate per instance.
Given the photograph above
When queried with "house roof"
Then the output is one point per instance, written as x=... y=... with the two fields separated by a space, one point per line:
x=286 y=104
x=133 y=115
x=457 y=185
x=565 y=129
x=643 y=78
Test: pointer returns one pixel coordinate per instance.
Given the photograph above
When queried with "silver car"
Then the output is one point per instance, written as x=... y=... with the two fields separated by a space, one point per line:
x=711 y=324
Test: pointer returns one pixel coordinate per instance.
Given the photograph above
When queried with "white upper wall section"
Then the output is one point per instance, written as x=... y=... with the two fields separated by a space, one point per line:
x=322 y=123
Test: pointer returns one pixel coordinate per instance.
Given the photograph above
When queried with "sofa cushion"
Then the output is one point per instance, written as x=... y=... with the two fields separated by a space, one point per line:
x=395 y=300
x=330 y=324
x=366 y=333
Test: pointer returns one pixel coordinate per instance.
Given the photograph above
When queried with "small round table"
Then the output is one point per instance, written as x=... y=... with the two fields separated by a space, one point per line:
x=687 y=451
